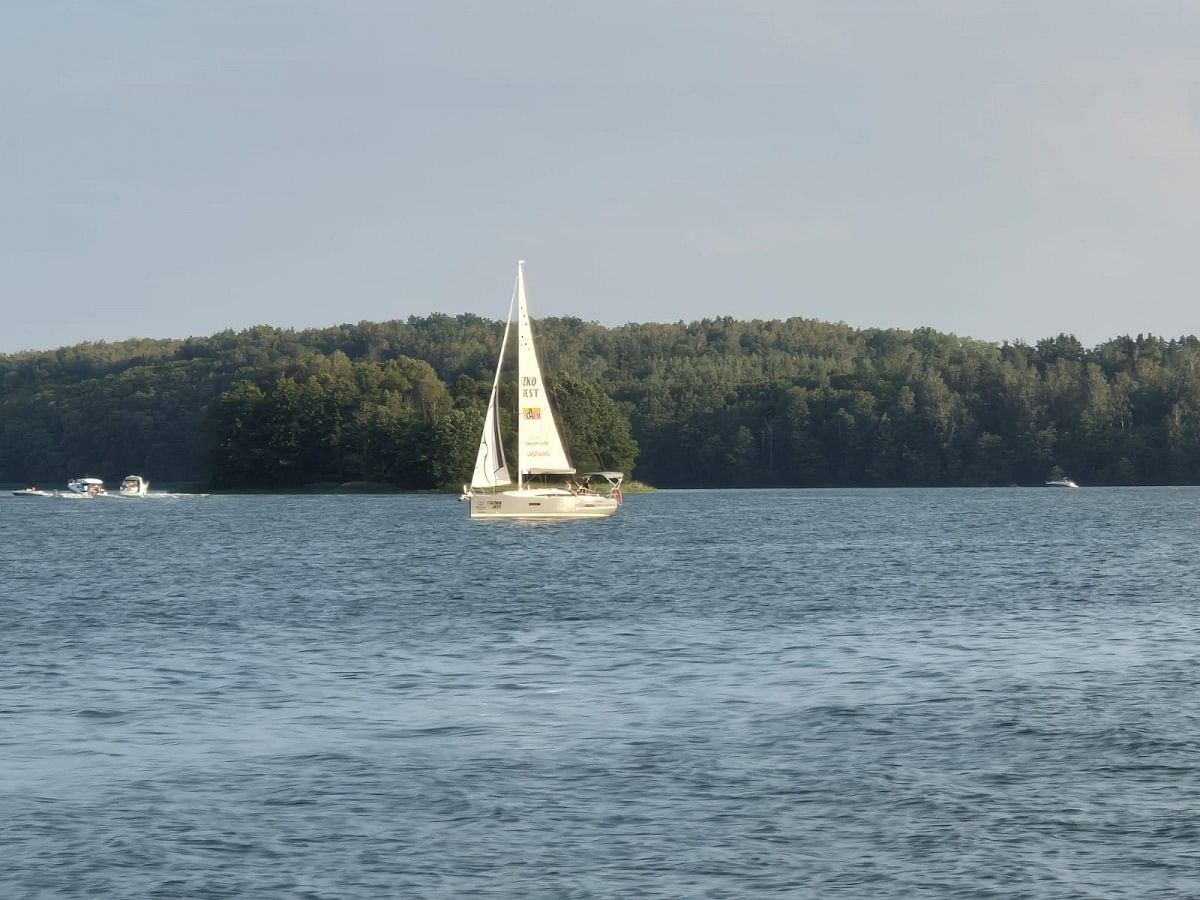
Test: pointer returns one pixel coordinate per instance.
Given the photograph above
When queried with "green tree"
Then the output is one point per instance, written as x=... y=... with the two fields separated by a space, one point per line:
x=595 y=430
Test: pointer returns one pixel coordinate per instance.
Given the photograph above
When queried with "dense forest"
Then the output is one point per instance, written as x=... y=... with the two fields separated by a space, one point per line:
x=711 y=403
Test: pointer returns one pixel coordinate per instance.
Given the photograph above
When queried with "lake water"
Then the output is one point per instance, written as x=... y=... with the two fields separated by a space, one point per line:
x=944 y=693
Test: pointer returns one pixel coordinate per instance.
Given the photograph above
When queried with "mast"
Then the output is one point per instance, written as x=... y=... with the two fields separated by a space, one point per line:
x=523 y=318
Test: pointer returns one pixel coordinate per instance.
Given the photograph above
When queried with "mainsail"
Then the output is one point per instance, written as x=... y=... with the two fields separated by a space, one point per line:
x=490 y=468
x=539 y=446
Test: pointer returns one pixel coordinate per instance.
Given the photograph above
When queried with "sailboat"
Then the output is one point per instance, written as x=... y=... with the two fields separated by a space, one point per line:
x=540 y=452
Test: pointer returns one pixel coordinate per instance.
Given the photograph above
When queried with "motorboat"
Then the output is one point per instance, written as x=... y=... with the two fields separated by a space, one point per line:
x=134 y=486
x=1061 y=482
x=32 y=491
x=86 y=487
x=547 y=486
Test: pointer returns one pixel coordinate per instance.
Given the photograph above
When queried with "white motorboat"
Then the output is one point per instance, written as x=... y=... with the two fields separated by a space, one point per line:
x=1061 y=482
x=540 y=452
x=134 y=486
x=86 y=487
x=32 y=491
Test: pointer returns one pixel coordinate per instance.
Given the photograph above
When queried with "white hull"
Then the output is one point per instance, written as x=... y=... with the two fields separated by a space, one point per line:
x=541 y=504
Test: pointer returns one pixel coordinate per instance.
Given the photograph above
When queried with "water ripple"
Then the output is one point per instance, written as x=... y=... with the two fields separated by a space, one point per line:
x=950 y=694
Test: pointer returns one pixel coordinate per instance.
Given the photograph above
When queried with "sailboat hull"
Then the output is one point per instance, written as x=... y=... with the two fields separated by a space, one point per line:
x=541 y=505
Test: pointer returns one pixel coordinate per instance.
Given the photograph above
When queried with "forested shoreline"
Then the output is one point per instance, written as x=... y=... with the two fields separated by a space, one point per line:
x=715 y=403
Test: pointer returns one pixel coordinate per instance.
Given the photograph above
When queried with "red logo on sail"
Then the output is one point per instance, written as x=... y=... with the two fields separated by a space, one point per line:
x=531 y=412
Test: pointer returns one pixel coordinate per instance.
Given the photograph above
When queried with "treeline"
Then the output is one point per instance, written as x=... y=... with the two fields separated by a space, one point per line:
x=711 y=403
x=328 y=420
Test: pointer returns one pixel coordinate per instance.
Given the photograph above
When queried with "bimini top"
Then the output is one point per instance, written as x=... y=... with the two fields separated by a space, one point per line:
x=88 y=481
x=605 y=474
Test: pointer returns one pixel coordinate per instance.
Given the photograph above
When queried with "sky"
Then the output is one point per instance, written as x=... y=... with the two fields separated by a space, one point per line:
x=998 y=170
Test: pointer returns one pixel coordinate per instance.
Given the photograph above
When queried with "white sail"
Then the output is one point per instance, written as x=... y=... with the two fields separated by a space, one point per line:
x=539 y=447
x=490 y=469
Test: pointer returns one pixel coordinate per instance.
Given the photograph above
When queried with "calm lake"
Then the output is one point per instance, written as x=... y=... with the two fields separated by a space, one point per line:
x=911 y=693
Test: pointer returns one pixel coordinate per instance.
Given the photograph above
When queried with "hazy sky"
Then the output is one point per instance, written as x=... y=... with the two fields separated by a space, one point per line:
x=999 y=170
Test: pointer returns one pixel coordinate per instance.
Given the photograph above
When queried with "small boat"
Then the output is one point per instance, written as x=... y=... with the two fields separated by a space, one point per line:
x=32 y=491
x=134 y=486
x=86 y=487
x=540 y=451
x=1061 y=482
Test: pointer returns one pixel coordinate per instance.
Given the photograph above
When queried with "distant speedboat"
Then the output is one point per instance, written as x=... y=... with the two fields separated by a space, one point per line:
x=32 y=491
x=86 y=487
x=1062 y=482
x=134 y=486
